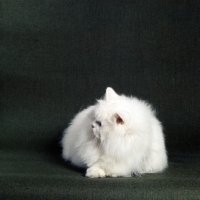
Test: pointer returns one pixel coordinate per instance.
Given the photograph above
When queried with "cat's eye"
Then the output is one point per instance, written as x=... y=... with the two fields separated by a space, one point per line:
x=98 y=122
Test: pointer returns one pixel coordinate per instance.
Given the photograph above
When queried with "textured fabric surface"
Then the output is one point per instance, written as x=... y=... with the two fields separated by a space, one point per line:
x=57 y=57
x=41 y=176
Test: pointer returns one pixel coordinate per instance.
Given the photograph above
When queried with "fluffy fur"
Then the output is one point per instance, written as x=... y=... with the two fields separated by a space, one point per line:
x=118 y=136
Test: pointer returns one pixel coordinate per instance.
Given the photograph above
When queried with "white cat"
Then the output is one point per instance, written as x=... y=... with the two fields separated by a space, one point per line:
x=118 y=136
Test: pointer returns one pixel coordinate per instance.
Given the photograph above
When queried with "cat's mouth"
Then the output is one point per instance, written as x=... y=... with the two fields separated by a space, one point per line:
x=95 y=132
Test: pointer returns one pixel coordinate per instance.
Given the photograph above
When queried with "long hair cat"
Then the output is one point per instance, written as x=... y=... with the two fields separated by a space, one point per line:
x=118 y=136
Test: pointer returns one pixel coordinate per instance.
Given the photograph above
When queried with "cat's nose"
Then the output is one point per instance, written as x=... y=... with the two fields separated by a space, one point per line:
x=92 y=126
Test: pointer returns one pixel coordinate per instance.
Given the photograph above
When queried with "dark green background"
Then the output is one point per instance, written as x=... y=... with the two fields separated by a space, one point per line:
x=57 y=57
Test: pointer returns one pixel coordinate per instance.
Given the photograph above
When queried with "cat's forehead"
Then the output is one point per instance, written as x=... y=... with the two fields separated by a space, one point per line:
x=104 y=109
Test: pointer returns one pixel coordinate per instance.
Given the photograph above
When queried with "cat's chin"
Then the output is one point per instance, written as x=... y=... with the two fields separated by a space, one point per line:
x=99 y=136
x=96 y=134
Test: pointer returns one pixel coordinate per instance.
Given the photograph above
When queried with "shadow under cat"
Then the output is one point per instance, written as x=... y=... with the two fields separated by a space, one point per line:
x=53 y=148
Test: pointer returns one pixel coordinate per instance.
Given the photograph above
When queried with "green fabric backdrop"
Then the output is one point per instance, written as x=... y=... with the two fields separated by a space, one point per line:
x=57 y=57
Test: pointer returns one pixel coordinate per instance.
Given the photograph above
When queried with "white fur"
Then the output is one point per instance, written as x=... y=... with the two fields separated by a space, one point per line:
x=135 y=146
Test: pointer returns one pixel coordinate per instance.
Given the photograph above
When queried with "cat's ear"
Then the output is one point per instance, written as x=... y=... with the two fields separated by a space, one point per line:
x=118 y=119
x=110 y=94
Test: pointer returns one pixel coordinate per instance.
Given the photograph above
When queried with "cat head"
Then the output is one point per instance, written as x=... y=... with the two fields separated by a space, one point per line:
x=112 y=116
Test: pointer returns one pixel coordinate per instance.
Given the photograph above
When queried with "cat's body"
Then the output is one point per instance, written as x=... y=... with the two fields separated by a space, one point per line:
x=119 y=136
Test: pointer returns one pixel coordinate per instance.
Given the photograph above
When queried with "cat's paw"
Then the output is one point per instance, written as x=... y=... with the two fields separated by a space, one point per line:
x=95 y=172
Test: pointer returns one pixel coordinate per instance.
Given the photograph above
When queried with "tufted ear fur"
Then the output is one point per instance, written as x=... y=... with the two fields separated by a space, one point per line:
x=118 y=119
x=110 y=94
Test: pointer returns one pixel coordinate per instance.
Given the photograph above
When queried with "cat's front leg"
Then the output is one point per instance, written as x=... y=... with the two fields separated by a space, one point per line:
x=95 y=172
